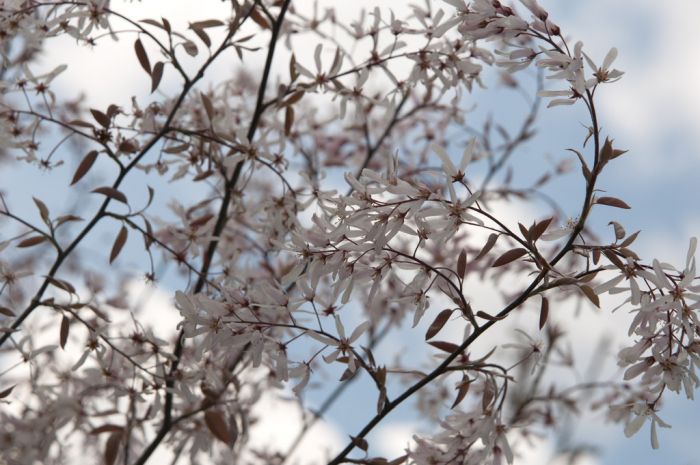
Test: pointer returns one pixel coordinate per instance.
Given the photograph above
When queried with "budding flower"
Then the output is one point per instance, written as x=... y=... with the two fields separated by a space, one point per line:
x=535 y=9
x=454 y=173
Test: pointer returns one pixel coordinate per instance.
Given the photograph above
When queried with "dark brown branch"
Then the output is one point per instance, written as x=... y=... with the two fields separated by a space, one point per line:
x=218 y=228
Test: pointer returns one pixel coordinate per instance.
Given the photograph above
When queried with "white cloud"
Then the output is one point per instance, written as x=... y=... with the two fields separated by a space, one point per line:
x=279 y=422
x=109 y=73
x=392 y=439
x=658 y=97
x=155 y=306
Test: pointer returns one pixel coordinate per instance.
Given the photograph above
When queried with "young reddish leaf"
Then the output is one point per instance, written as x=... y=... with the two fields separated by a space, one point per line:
x=544 y=312
x=488 y=395
x=466 y=310
x=347 y=374
x=294 y=98
x=84 y=166
x=259 y=19
x=6 y=311
x=584 y=166
x=208 y=106
x=399 y=460
x=606 y=152
x=156 y=75
x=206 y=24
x=166 y=25
x=380 y=375
x=619 y=230
x=490 y=242
x=100 y=117
x=376 y=461
x=596 y=256
x=370 y=356
x=142 y=56
x=128 y=146
x=612 y=202
x=288 y=120
x=65 y=219
x=112 y=447
x=81 y=123
x=118 y=243
x=511 y=255
x=111 y=193
x=106 y=429
x=191 y=48
x=590 y=293
x=617 y=152
x=539 y=229
x=113 y=110
x=204 y=37
x=6 y=392
x=381 y=400
x=148 y=237
x=444 y=346
x=202 y=220
x=293 y=73
x=65 y=327
x=462 y=390
x=631 y=238
x=588 y=277
x=524 y=231
x=153 y=22
x=462 y=263
x=31 y=241
x=151 y=194
x=486 y=316
x=438 y=323
x=61 y=284
x=179 y=148
x=627 y=253
x=43 y=209
x=360 y=443
x=614 y=259
x=203 y=175
x=216 y=423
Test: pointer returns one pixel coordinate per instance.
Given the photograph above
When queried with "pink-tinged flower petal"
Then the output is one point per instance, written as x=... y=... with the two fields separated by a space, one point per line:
x=560 y=101
x=359 y=331
x=339 y=327
x=556 y=234
x=186 y=306
x=317 y=57
x=661 y=279
x=635 y=425
x=80 y=361
x=636 y=370
x=468 y=154
x=691 y=251
x=330 y=358
x=609 y=58
x=322 y=338
x=304 y=381
x=654 y=437
x=447 y=164
x=535 y=9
